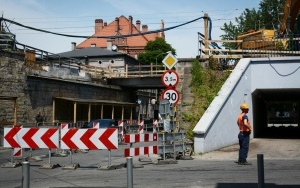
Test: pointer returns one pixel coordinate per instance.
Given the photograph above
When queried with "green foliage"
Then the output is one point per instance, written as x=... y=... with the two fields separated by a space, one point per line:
x=206 y=83
x=155 y=51
x=187 y=117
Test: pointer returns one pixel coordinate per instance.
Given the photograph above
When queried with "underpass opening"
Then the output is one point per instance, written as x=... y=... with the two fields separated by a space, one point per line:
x=276 y=113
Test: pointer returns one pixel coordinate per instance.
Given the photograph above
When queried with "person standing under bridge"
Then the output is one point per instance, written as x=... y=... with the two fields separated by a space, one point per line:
x=244 y=134
x=39 y=119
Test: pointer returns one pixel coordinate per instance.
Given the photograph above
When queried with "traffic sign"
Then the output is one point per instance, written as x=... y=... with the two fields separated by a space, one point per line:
x=171 y=94
x=170 y=61
x=170 y=78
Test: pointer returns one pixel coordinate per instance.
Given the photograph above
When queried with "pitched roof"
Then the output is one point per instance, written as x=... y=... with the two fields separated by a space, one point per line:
x=125 y=27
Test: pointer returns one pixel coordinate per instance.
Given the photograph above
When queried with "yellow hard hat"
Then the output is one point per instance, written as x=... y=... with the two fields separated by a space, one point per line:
x=244 y=106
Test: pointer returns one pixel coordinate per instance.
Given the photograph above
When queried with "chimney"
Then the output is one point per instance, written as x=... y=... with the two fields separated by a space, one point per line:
x=73 y=45
x=105 y=24
x=144 y=28
x=117 y=24
x=98 y=25
x=109 y=44
x=162 y=26
x=138 y=25
x=130 y=25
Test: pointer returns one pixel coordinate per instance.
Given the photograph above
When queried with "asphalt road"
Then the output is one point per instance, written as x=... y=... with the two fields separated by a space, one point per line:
x=93 y=173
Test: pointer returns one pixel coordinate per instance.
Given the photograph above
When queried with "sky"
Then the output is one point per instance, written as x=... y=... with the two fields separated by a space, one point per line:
x=77 y=17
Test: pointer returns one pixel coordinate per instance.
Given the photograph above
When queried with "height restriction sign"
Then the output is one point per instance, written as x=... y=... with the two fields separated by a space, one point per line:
x=171 y=94
x=170 y=78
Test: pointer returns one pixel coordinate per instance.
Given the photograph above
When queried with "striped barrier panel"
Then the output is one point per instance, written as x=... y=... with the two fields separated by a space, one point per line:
x=96 y=125
x=64 y=126
x=18 y=152
x=133 y=138
x=141 y=126
x=121 y=127
x=141 y=151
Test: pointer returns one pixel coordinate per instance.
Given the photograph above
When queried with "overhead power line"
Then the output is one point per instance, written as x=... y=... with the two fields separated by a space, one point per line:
x=114 y=36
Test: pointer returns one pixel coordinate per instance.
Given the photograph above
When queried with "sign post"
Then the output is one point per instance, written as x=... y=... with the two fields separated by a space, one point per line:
x=170 y=79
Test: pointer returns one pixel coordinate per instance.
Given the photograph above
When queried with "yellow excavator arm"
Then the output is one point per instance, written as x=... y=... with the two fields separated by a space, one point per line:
x=290 y=13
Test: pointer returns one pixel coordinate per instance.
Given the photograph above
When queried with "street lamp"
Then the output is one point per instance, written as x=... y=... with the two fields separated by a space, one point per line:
x=158 y=56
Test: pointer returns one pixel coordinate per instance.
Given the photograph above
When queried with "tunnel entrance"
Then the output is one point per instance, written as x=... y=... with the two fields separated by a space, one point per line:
x=276 y=113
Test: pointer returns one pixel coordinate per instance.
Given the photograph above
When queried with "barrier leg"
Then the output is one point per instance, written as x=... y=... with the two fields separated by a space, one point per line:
x=71 y=156
x=25 y=174
x=49 y=165
x=12 y=156
x=49 y=152
x=129 y=172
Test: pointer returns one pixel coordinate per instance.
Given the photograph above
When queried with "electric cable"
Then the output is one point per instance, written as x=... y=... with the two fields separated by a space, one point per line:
x=111 y=37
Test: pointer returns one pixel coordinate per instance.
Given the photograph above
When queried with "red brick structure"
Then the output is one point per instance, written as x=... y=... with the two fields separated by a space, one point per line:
x=121 y=26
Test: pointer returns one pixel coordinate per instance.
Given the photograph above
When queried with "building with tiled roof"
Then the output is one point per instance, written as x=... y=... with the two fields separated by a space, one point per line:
x=121 y=26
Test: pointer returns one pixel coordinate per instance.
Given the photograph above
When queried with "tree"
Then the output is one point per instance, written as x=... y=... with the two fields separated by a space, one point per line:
x=154 y=51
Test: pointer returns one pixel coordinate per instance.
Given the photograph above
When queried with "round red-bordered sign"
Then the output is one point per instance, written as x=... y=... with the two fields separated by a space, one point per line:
x=171 y=94
x=170 y=78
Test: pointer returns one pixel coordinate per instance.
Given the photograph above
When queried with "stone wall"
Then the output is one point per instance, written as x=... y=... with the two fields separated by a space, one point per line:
x=35 y=93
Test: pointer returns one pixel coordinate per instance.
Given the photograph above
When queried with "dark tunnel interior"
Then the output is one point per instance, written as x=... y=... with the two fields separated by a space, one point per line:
x=276 y=113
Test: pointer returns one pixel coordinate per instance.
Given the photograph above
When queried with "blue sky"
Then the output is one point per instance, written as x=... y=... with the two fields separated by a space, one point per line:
x=77 y=17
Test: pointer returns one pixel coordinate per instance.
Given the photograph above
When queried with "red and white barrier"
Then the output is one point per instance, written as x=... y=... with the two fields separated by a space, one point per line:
x=89 y=138
x=141 y=126
x=155 y=124
x=133 y=138
x=17 y=152
x=96 y=125
x=140 y=151
x=64 y=126
x=18 y=137
x=121 y=129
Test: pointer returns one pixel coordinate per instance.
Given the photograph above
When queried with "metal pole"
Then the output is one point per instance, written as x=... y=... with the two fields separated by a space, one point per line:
x=164 y=147
x=12 y=156
x=71 y=156
x=109 y=157
x=129 y=172
x=174 y=150
x=49 y=156
x=25 y=174
x=260 y=168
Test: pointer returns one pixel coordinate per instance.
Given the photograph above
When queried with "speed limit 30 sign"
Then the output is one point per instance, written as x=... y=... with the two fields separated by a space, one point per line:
x=171 y=94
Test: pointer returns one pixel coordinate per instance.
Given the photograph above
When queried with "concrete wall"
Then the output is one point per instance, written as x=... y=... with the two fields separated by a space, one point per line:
x=217 y=127
x=35 y=92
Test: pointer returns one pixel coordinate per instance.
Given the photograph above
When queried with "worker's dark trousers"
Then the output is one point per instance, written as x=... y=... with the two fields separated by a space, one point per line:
x=244 y=146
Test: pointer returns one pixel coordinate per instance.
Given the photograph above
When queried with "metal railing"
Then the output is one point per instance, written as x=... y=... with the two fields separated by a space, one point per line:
x=127 y=71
